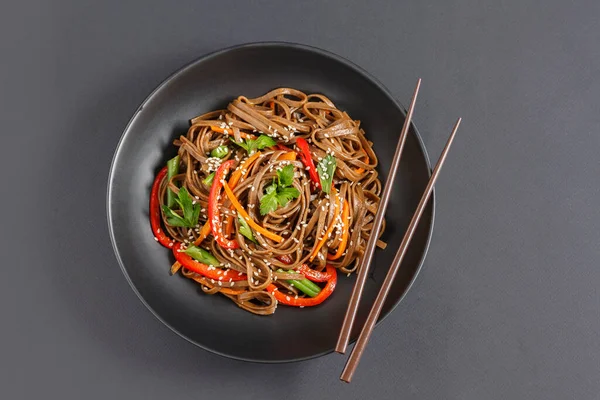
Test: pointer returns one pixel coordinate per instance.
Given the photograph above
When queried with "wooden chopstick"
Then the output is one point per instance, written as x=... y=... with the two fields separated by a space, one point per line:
x=363 y=268
x=367 y=329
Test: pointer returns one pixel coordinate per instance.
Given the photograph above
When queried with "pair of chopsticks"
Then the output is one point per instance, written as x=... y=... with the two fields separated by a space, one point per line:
x=367 y=329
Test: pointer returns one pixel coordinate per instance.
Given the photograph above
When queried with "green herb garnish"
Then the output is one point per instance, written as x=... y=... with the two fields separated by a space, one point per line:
x=189 y=208
x=251 y=145
x=279 y=193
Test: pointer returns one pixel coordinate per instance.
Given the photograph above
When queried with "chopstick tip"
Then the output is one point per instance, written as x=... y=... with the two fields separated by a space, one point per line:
x=456 y=125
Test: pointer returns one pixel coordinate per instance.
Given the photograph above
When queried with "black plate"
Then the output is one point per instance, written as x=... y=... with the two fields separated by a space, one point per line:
x=213 y=322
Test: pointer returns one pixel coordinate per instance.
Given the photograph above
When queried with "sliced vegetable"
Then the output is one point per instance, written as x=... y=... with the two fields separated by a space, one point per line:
x=210 y=272
x=304 y=285
x=344 y=241
x=308 y=162
x=251 y=145
x=283 y=147
x=189 y=208
x=313 y=287
x=240 y=173
x=285 y=258
x=202 y=255
x=307 y=302
x=219 y=152
x=250 y=221
x=304 y=269
x=290 y=156
x=204 y=232
x=175 y=267
x=245 y=229
x=155 y=216
x=172 y=170
x=329 y=229
x=208 y=181
x=313 y=275
x=236 y=176
x=326 y=169
x=214 y=218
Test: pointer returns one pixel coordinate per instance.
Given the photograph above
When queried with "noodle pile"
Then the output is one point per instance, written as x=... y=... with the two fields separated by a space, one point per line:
x=339 y=221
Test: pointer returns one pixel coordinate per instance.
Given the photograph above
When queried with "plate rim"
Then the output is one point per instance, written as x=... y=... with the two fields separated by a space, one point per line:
x=203 y=58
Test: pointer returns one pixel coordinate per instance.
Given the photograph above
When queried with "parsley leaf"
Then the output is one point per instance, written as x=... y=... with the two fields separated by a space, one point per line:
x=285 y=177
x=326 y=170
x=284 y=195
x=264 y=141
x=279 y=193
x=173 y=218
x=190 y=211
x=245 y=229
x=250 y=145
x=269 y=201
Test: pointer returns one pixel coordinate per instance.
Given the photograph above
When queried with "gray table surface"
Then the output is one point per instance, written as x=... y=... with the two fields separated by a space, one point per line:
x=507 y=305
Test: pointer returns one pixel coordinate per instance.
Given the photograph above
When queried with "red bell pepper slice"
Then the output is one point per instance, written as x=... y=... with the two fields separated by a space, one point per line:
x=307 y=301
x=282 y=147
x=308 y=162
x=155 y=214
x=218 y=274
x=308 y=272
x=313 y=275
x=214 y=219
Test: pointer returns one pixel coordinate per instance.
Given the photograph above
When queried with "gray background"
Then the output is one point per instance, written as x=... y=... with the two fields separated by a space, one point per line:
x=507 y=305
